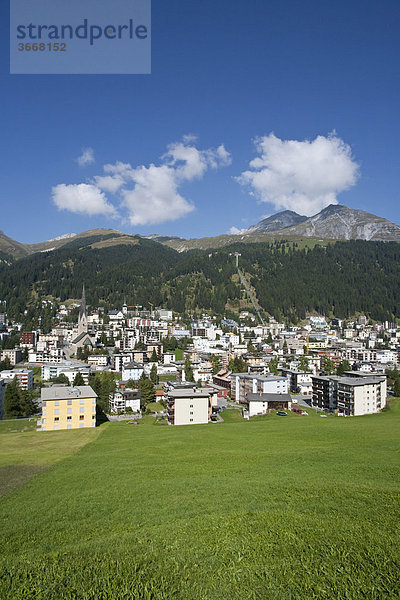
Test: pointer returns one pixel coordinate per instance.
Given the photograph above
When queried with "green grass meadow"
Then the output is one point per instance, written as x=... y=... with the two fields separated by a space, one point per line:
x=273 y=508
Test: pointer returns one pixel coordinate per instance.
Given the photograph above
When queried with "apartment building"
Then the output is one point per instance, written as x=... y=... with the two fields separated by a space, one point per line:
x=251 y=383
x=68 y=408
x=299 y=381
x=350 y=396
x=24 y=377
x=125 y=398
x=189 y=406
x=14 y=356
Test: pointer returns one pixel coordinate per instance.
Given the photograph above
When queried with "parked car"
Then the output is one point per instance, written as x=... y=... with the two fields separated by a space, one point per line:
x=281 y=413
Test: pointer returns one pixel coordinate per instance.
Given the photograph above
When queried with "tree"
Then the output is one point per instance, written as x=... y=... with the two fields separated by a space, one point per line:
x=146 y=388
x=78 y=379
x=273 y=366
x=189 y=376
x=215 y=363
x=154 y=356
x=153 y=375
x=304 y=364
x=396 y=387
x=61 y=378
x=237 y=365
x=5 y=364
x=328 y=366
x=344 y=366
x=12 y=400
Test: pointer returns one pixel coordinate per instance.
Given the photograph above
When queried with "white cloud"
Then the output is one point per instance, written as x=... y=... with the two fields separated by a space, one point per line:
x=149 y=194
x=109 y=183
x=82 y=198
x=155 y=197
x=86 y=158
x=304 y=176
x=235 y=231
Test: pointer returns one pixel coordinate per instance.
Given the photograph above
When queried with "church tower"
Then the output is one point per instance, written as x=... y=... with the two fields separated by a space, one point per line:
x=82 y=320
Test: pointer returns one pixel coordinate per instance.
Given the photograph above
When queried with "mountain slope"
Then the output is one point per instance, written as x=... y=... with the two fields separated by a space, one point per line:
x=11 y=247
x=342 y=223
x=281 y=220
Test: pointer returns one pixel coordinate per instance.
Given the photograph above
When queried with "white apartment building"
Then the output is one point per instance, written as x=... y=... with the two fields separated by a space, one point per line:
x=250 y=383
x=189 y=406
x=122 y=399
x=24 y=377
x=350 y=396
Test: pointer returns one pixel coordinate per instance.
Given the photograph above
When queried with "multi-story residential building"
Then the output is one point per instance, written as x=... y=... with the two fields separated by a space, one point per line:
x=52 y=370
x=351 y=395
x=24 y=377
x=125 y=398
x=299 y=381
x=68 y=408
x=189 y=406
x=14 y=356
x=99 y=360
x=324 y=392
x=28 y=339
x=361 y=396
x=250 y=383
x=132 y=370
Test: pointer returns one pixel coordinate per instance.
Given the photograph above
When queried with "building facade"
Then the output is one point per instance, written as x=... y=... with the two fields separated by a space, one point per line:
x=189 y=406
x=250 y=383
x=68 y=408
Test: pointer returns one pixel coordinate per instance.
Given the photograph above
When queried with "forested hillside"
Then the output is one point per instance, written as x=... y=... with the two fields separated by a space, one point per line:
x=338 y=279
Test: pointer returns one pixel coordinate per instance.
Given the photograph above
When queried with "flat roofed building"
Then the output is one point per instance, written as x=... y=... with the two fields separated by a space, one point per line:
x=351 y=396
x=68 y=407
x=247 y=383
x=189 y=406
x=24 y=377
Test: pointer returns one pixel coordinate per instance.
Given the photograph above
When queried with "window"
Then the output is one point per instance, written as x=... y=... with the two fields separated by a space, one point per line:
x=69 y=426
x=93 y=416
x=43 y=403
x=69 y=418
x=69 y=411
x=94 y=401
x=82 y=409
x=57 y=411
x=191 y=406
x=191 y=420
x=56 y=418
x=55 y=427
x=56 y=403
x=69 y=402
x=191 y=412
x=81 y=424
x=81 y=401
x=43 y=411
x=43 y=421
x=81 y=417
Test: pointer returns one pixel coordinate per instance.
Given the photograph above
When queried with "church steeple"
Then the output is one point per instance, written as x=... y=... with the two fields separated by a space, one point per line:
x=82 y=320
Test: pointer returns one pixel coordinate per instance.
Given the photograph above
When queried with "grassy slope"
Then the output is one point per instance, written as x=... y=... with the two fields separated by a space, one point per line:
x=290 y=508
x=24 y=452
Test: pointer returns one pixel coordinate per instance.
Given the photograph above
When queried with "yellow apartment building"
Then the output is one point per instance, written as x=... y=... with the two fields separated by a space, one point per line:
x=68 y=407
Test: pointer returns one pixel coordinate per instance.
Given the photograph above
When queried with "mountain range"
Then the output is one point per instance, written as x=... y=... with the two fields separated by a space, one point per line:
x=335 y=222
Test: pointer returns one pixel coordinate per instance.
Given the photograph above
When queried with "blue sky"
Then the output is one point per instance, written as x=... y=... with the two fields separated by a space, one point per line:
x=224 y=74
